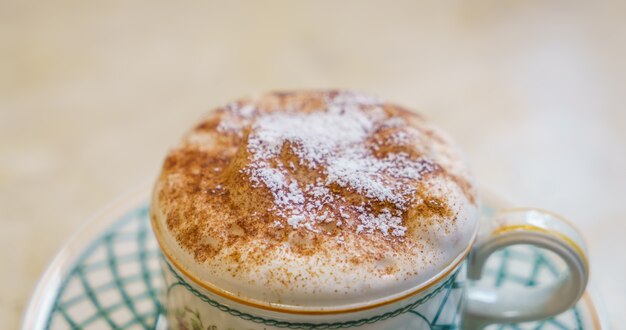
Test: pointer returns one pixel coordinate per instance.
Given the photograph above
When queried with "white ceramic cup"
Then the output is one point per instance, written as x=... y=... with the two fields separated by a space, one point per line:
x=455 y=295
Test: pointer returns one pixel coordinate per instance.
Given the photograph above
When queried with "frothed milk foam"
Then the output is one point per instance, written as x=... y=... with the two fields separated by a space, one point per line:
x=324 y=198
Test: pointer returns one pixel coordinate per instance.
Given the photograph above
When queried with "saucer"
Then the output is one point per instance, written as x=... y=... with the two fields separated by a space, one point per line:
x=107 y=276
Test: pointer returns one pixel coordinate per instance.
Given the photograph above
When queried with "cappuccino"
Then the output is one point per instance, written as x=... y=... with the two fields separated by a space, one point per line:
x=314 y=199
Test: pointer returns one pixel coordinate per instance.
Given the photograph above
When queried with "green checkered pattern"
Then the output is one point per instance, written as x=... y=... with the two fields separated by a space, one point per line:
x=526 y=266
x=116 y=281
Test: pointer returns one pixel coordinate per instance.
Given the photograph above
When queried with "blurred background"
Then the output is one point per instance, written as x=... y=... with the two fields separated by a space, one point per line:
x=92 y=95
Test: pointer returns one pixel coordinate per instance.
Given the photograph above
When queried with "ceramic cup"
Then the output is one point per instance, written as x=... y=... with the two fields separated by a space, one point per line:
x=453 y=298
x=284 y=211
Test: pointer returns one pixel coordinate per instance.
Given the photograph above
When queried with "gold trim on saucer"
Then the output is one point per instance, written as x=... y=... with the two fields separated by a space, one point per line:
x=595 y=317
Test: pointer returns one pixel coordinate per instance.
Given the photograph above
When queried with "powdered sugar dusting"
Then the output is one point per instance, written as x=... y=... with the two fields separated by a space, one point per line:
x=332 y=141
x=315 y=136
x=385 y=222
x=236 y=118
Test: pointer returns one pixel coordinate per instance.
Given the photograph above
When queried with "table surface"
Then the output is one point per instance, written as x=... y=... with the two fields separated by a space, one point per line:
x=92 y=95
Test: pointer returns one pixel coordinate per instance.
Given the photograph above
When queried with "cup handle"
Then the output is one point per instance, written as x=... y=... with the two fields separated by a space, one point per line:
x=486 y=305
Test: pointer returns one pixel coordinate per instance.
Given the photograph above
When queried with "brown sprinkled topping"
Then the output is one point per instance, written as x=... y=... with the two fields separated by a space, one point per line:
x=321 y=174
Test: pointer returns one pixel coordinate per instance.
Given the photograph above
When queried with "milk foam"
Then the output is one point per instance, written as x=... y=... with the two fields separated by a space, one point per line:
x=315 y=199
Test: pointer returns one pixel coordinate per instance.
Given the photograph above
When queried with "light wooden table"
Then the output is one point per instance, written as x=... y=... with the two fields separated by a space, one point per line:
x=93 y=94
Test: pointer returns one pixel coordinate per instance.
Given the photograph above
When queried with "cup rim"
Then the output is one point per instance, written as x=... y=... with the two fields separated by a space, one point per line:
x=314 y=310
